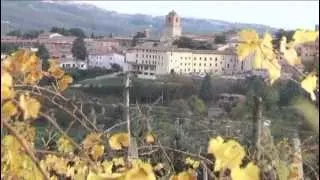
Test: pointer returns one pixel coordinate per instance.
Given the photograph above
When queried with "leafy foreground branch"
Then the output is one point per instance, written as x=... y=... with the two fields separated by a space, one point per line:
x=105 y=154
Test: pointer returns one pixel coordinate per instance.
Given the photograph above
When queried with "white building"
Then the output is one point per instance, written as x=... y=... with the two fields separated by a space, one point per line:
x=72 y=64
x=105 y=60
x=149 y=60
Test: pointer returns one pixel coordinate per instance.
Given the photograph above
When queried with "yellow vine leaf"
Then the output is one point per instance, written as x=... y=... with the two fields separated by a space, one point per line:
x=140 y=171
x=228 y=154
x=16 y=161
x=309 y=84
x=91 y=140
x=104 y=176
x=250 y=172
x=33 y=77
x=97 y=151
x=273 y=68
x=267 y=47
x=9 y=65
x=119 y=141
x=8 y=110
x=30 y=107
x=193 y=163
x=289 y=52
x=6 y=79
x=118 y=161
x=150 y=138
x=64 y=145
x=282 y=170
x=64 y=82
x=6 y=93
x=54 y=70
x=6 y=86
x=304 y=36
x=52 y=162
x=249 y=43
x=184 y=175
x=26 y=131
x=30 y=64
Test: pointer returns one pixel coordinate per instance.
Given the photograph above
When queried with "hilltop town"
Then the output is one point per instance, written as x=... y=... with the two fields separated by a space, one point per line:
x=149 y=57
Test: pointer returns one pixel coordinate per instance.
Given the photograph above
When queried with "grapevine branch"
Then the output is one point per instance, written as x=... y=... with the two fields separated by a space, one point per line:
x=25 y=147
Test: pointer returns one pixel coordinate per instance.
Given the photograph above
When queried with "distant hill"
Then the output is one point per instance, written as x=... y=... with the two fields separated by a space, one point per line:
x=26 y=15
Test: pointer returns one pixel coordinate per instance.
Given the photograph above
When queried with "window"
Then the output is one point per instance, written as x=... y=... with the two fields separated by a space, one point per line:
x=200 y=58
x=181 y=57
x=227 y=65
x=205 y=58
x=216 y=64
x=136 y=56
x=204 y=64
x=210 y=58
x=210 y=64
x=194 y=58
x=145 y=73
x=195 y=64
x=216 y=59
x=199 y=64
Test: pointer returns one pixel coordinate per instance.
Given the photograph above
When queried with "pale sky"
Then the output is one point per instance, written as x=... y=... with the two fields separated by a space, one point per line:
x=278 y=14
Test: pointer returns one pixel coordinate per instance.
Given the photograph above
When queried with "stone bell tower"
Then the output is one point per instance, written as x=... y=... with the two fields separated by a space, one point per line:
x=172 y=28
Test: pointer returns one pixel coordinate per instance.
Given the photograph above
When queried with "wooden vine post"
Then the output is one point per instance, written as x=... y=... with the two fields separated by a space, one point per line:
x=257 y=124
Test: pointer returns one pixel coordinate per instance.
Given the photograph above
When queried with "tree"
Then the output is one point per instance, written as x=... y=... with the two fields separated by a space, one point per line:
x=61 y=31
x=92 y=35
x=77 y=32
x=116 y=67
x=31 y=34
x=43 y=54
x=79 y=50
x=137 y=37
x=282 y=33
x=206 y=89
x=8 y=48
x=220 y=39
x=185 y=42
x=17 y=33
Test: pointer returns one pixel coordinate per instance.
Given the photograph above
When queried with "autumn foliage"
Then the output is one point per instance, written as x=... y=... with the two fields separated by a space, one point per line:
x=20 y=106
